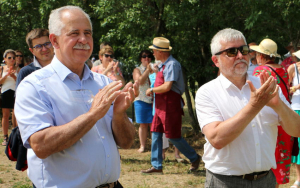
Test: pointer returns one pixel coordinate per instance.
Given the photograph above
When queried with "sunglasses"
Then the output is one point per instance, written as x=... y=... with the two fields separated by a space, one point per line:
x=144 y=56
x=232 y=52
x=107 y=55
x=40 y=46
x=11 y=57
x=19 y=55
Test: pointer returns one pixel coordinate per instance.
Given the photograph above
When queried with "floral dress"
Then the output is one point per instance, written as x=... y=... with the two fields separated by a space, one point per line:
x=285 y=142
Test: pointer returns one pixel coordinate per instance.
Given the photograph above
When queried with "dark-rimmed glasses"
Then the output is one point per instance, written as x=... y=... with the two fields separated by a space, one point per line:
x=144 y=56
x=40 y=46
x=19 y=55
x=107 y=55
x=232 y=52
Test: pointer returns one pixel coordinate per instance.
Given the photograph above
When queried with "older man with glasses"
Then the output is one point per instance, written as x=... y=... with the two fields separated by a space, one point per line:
x=239 y=115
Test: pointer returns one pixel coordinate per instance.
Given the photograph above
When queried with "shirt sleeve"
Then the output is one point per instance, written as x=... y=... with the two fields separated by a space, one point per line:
x=206 y=109
x=171 y=72
x=32 y=110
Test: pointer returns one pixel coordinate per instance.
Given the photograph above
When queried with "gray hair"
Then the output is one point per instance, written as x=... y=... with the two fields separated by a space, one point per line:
x=225 y=35
x=55 y=24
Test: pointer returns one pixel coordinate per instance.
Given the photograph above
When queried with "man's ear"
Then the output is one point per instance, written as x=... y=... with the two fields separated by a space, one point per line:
x=215 y=59
x=53 y=40
x=31 y=50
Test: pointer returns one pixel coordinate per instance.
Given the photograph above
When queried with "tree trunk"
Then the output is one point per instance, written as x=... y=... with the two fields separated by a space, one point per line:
x=193 y=119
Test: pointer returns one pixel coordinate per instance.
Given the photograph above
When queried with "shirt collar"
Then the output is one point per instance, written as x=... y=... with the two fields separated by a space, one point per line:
x=36 y=63
x=227 y=83
x=164 y=64
x=63 y=71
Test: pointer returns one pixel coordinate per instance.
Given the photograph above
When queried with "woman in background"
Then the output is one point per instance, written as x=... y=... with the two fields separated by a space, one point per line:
x=8 y=81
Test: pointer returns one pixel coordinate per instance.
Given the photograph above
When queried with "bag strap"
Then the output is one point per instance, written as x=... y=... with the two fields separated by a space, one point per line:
x=280 y=79
x=296 y=68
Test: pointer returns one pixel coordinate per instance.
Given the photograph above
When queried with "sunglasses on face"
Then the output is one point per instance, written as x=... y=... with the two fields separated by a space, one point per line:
x=144 y=56
x=11 y=57
x=107 y=55
x=40 y=46
x=19 y=55
x=232 y=52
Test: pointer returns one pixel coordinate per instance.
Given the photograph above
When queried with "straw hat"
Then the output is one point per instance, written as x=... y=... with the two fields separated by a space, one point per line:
x=297 y=54
x=161 y=43
x=267 y=47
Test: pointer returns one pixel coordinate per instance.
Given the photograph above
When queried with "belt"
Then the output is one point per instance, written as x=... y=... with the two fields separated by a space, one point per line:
x=108 y=185
x=254 y=176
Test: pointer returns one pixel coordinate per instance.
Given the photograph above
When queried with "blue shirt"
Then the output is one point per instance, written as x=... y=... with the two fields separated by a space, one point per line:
x=54 y=96
x=173 y=72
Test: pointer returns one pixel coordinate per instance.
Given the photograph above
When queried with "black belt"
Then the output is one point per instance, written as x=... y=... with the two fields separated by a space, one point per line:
x=254 y=176
x=108 y=185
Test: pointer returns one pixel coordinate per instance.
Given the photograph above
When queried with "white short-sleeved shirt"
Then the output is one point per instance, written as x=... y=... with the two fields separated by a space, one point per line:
x=253 y=150
x=54 y=96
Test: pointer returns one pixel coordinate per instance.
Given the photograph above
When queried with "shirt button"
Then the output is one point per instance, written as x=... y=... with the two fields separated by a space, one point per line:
x=258 y=162
x=102 y=137
x=107 y=155
x=257 y=144
x=253 y=125
x=106 y=174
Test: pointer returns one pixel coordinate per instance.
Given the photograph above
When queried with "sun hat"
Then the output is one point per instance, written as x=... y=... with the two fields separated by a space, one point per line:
x=267 y=47
x=297 y=54
x=161 y=43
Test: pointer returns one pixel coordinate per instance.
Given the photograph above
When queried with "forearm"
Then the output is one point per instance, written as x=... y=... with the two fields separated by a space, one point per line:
x=57 y=138
x=165 y=87
x=123 y=130
x=221 y=134
x=143 y=78
x=290 y=120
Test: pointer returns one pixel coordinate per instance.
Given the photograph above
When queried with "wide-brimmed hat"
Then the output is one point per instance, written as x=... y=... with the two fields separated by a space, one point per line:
x=297 y=54
x=267 y=47
x=161 y=43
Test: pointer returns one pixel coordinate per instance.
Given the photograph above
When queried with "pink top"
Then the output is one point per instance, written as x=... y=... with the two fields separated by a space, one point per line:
x=111 y=74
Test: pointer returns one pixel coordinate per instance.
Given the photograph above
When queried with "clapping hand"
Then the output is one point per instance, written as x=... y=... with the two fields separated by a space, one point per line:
x=126 y=97
x=267 y=94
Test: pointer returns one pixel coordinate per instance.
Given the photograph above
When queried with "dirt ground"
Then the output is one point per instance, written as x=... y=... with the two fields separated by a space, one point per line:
x=176 y=175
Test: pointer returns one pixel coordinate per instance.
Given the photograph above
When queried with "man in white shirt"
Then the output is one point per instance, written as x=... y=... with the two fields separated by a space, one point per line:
x=238 y=115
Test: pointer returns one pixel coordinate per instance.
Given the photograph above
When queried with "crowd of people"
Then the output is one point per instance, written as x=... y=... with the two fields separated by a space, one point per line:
x=71 y=111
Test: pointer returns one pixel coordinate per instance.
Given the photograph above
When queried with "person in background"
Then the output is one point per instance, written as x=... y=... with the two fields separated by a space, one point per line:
x=291 y=59
x=252 y=60
x=108 y=66
x=168 y=88
x=294 y=76
x=266 y=53
x=102 y=45
x=8 y=81
x=41 y=48
x=20 y=60
x=143 y=103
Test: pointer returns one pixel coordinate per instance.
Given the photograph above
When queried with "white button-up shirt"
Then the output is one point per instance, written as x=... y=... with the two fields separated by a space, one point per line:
x=253 y=150
x=54 y=96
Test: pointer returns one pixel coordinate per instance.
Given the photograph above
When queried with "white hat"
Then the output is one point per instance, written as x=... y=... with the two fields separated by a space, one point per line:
x=267 y=47
x=297 y=54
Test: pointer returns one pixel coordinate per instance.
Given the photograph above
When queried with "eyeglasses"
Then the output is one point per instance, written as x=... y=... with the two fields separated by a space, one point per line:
x=40 y=46
x=144 y=56
x=232 y=52
x=19 y=55
x=107 y=55
x=11 y=57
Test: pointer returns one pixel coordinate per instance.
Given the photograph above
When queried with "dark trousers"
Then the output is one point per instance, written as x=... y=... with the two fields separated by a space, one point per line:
x=222 y=181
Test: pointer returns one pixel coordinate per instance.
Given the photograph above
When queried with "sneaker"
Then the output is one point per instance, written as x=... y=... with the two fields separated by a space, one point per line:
x=152 y=170
x=195 y=164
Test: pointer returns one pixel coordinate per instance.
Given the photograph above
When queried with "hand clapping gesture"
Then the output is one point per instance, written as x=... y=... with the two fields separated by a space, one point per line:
x=267 y=94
